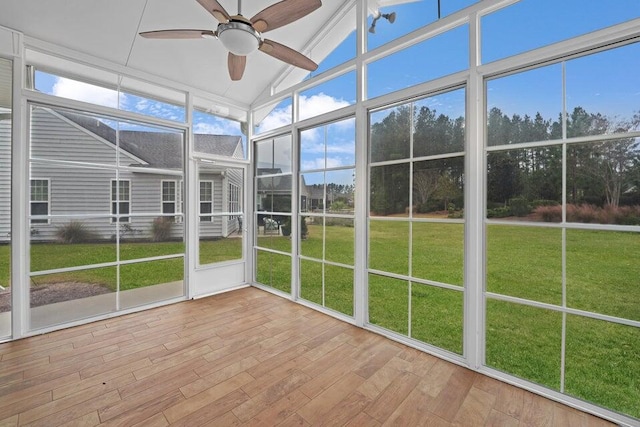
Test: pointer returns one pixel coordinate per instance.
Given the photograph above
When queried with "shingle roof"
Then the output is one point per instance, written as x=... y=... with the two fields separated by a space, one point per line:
x=159 y=149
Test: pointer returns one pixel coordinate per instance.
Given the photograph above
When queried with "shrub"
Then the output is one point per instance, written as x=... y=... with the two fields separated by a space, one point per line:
x=161 y=229
x=549 y=213
x=544 y=202
x=519 y=206
x=74 y=232
x=501 y=212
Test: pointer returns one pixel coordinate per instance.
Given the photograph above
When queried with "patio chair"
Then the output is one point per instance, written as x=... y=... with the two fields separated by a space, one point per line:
x=271 y=226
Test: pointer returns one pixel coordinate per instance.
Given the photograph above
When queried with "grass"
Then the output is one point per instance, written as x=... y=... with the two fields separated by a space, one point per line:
x=602 y=275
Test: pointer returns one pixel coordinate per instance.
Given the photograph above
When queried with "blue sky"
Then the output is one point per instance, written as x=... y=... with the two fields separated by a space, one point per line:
x=605 y=83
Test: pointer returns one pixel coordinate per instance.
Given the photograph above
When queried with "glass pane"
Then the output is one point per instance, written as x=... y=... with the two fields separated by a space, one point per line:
x=600 y=86
x=439 y=124
x=274 y=270
x=339 y=289
x=65 y=190
x=273 y=194
x=341 y=38
x=438 y=252
x=602 y=364
x=312 y=197
x=538 y=27
x=436 y=316
x=524 y=341
x=436 y=57
x=339 y=240
x=149 y=105
x=6 y=89
x=525 y=185
x=340 y=191
x=438 y=187
x=271 y=232
x=146 y=282
x=312 y=244
x=313 y=149
x=147 y=237
x=219 y=136
x=58 y=134
x=603 y=273
x=272 y=116
x=220 y=239
x=329 y=96
x=602 y=182
x=311 y=281
x=389 y=190
x=525 y=262
x=106 y=95
x=74 y=295
x=72 y=242
x=390 y=133
x=341 y=143
x=389 y=246
x=407 y=16
x=525 y=107
x=389 y=303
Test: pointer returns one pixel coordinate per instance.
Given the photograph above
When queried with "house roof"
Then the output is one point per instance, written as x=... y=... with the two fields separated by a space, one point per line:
x=162 y=150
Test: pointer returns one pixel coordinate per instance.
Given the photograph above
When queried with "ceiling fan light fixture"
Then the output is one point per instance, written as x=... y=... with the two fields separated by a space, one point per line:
x=239 y=38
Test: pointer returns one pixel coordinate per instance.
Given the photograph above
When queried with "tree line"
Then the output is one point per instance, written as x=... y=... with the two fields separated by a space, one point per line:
x=602 y=173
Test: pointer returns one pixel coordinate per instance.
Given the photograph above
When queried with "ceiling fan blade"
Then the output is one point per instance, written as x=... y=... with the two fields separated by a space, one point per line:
x=288 y=55
x=178 y=34
x=216 y=9
x=236 y=66
x=283 y=13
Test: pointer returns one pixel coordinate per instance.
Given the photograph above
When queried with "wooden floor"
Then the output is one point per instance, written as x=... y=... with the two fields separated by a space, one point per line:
x=248 y=358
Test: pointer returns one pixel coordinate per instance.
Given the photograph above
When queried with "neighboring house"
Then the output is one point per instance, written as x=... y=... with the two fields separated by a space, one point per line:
x=73 y=172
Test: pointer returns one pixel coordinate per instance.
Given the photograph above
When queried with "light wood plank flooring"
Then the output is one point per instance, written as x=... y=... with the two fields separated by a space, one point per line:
x=249 y=358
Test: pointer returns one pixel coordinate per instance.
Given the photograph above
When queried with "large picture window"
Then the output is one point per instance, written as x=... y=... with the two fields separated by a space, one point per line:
x=416 y=219
x=39 y=200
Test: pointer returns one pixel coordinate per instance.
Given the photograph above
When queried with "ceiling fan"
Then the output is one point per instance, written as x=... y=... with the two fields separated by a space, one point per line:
x=242 y=36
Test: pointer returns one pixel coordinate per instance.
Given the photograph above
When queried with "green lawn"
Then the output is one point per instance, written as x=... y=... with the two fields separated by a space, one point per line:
x=602 y=275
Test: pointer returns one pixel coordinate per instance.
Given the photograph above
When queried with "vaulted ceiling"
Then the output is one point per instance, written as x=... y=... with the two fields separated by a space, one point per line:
x=109 y=30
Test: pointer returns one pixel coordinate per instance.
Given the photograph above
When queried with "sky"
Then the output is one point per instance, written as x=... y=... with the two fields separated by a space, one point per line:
x=605 y=83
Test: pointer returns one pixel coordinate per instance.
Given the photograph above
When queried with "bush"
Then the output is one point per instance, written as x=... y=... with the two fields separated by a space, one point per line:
x=161 y=229
x=501 y=212
x=549 y=213
x=74 y=232
x=544 y=202
x=519 y=206
x=286 y=228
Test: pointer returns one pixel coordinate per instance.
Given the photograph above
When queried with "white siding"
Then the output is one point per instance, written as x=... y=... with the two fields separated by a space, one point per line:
x=5 y=178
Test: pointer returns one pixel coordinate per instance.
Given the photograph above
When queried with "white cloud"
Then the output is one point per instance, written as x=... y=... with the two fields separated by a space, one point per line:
x=310 y=106
x=314 y=105
x=277 y=118
x=217 y=127
x=85 y=92
x=312 y=164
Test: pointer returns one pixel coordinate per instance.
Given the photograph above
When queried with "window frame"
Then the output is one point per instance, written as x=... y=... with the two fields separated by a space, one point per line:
x=201 y=202
x=164 y=202
x=47 y=202
x=116 y=204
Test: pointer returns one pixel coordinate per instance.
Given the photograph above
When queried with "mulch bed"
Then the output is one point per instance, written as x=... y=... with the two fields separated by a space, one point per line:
x=55 y=292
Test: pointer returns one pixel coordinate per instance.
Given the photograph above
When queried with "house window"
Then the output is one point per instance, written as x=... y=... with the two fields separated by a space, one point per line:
x=120 y=199
x=206 y=200
x=169 y=197
x=234 y=199
x=39 y=200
